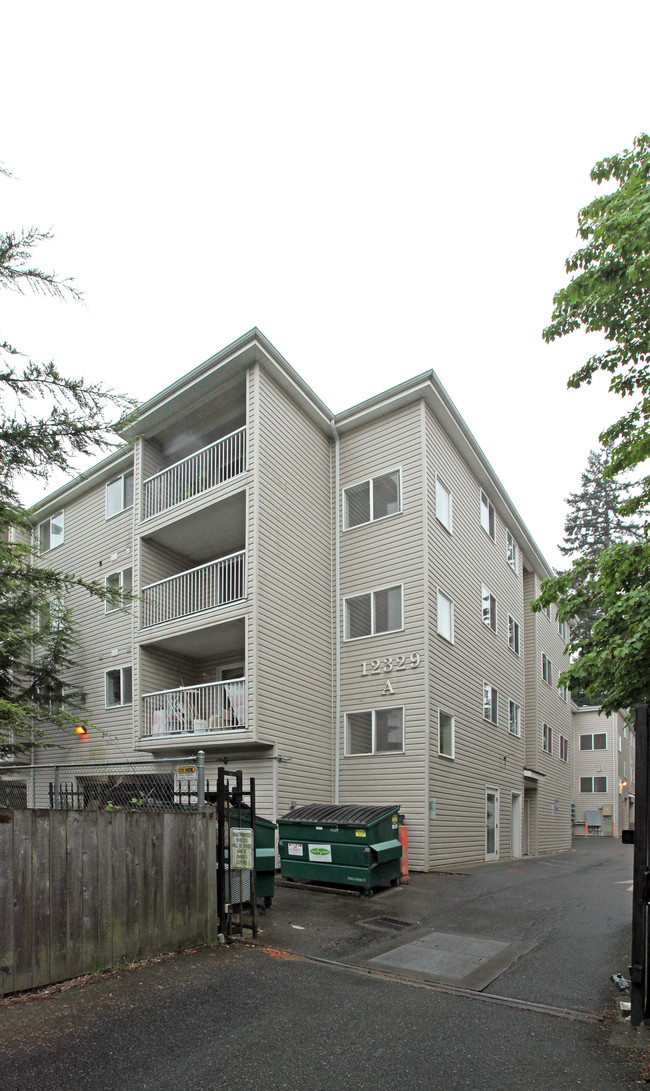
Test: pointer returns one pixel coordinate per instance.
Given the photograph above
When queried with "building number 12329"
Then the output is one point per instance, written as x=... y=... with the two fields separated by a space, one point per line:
x=390 y=663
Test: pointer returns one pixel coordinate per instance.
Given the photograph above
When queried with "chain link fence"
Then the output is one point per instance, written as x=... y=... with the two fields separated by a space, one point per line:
x=155 y=785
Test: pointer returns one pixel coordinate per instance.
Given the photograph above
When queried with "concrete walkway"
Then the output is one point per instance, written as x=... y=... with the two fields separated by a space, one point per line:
x=325 y=999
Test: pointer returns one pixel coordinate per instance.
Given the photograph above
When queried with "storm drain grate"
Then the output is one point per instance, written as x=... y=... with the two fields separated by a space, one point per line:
x=388 y=924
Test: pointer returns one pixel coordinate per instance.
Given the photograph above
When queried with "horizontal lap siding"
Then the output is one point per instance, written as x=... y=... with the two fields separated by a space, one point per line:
x=485 y=754
x=263 y=769
x=291 y=629
x=94 y=547
x=388 y=551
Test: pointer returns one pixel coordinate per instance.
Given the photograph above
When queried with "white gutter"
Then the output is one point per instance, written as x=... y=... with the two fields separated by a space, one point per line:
x=337 y=616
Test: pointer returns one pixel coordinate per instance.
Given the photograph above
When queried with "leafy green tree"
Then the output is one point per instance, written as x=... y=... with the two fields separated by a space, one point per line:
x=46 y=419
x=609 y=293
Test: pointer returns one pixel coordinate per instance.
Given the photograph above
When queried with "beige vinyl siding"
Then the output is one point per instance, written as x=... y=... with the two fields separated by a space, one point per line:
x=374 y=555
x=93 y=548
x=264 y=769
x=485 y=754
x=554 y=791
x=607 y=763
x=292 y=576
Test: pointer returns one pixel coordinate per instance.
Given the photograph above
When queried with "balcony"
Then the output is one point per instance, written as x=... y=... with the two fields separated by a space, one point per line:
x=207 y=710
x=205 y=469
x=218 y=583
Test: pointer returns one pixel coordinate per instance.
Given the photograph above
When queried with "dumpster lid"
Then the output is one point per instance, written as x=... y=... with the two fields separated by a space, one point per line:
x=338 y=815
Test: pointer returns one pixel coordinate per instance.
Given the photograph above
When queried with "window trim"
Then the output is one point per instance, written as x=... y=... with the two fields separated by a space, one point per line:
x=547 y=738
x=547 y=669
x=370 y=480
x=592 y=736
x=373 y=631
x=121 y=703
x=449 y=527
x=373 y=727
x=514 y=624
x=441 y=594
x=513 y=705
x=593 y=790
x=493 y=718
x=59 y=516
x=442 y=753
x=490 y=516
x=491 y=608
x=125 y=507
x=108 y=607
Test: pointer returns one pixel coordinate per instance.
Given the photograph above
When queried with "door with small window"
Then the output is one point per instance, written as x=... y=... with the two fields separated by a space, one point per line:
x=491 y=824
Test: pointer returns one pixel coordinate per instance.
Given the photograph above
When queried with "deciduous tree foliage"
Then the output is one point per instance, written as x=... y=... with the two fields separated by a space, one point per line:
x=46 y=419
x=609 y=293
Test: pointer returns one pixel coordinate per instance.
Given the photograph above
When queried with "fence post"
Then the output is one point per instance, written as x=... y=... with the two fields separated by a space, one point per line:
x=57 y=801
x=200 y=780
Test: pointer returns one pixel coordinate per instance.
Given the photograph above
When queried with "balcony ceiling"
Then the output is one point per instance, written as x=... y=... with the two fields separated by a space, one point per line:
x=214 y=531
x=227 y=639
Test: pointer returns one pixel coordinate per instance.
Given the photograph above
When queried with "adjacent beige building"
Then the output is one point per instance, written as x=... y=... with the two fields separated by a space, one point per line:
x=603 y=773
x=336 y=604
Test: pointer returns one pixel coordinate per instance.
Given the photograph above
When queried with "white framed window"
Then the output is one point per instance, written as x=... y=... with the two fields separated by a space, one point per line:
x=596 y=741
x=373 y=499
x=563 y=630
x=562 y=690
x=547 y=669
x=119 y=494
x=490 y=703
x=512 y=552
x=514 y=719
x=51 y=532
x=487 y=516
x=620 y=744
x=374 y=731
x=547 y=738
x=119 y=687
x=445 y=617
x=51 y=615
x=489 y=607
x=372 y=613
x=446 y=734
x=514 y=642
x=444 y=511
x=122 y=582
x=564 y=748
x=590 y=785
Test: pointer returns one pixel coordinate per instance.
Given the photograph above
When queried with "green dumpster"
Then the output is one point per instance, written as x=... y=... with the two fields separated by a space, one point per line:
x=240 y=818
x=346 y=845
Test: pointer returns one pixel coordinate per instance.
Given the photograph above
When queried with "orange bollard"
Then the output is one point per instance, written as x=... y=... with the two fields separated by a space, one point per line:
x=586 y=830
x=404 y=862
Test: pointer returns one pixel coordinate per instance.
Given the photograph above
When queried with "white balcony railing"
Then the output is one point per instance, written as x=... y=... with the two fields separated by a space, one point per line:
x=215 y=584
x=216 y=707
x=211 y=466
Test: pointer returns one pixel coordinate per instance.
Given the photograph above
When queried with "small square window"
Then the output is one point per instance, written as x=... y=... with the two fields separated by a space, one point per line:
x=514 y=719
x=487 y=516
x=445 y=734
x=443 y=504
x=376 y=731
x=372 y=613
x=445 y=617
x=119 y=689
x=489 y=608
x=373 y=499
x=513 y=636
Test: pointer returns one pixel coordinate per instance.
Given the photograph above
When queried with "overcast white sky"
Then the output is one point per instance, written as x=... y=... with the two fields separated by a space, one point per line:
x=380 y=188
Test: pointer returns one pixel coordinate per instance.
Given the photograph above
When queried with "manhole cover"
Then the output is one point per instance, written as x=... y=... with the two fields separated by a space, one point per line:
x=470 y=961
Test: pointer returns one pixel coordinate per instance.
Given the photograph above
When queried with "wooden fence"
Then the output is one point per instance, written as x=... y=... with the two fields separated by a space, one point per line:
x=80 y=890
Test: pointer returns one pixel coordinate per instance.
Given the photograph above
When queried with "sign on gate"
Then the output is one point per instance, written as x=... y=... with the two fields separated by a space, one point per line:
x=241 y=849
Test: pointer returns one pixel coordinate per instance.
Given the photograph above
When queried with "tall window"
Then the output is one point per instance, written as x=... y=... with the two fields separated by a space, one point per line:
x=514 y=719
x=445 y=734
x=373 y=499
x=562 y=629
x=547 y=669
x=445 y=617
x=119 y=494
x=376 y=731
x=513 y=635
x=50 y=532
x=121 y=583
x=547 y=738
x=376 y=612
x=490 y=703
x=487 y=515
x=443 y=504
x=564 y=748
x=512 y=552
x=119 y=688
x=489 y=608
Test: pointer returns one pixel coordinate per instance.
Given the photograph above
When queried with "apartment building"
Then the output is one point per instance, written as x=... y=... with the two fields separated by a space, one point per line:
x=336 y=604
x=603 y=773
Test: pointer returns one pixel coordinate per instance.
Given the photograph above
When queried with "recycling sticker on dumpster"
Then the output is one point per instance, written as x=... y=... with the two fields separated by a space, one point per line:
x=294 y=848
x=320 y=854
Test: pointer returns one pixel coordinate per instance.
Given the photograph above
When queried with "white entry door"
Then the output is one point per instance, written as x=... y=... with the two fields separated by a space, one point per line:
x=491 y=824
x=515 y=825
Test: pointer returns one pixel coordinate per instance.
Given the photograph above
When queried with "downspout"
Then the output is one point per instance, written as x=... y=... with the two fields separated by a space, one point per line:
x=337 y=615
x=614 y=776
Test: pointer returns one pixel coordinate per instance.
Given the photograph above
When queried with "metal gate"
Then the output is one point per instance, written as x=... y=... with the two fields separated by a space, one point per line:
x=236 y=836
